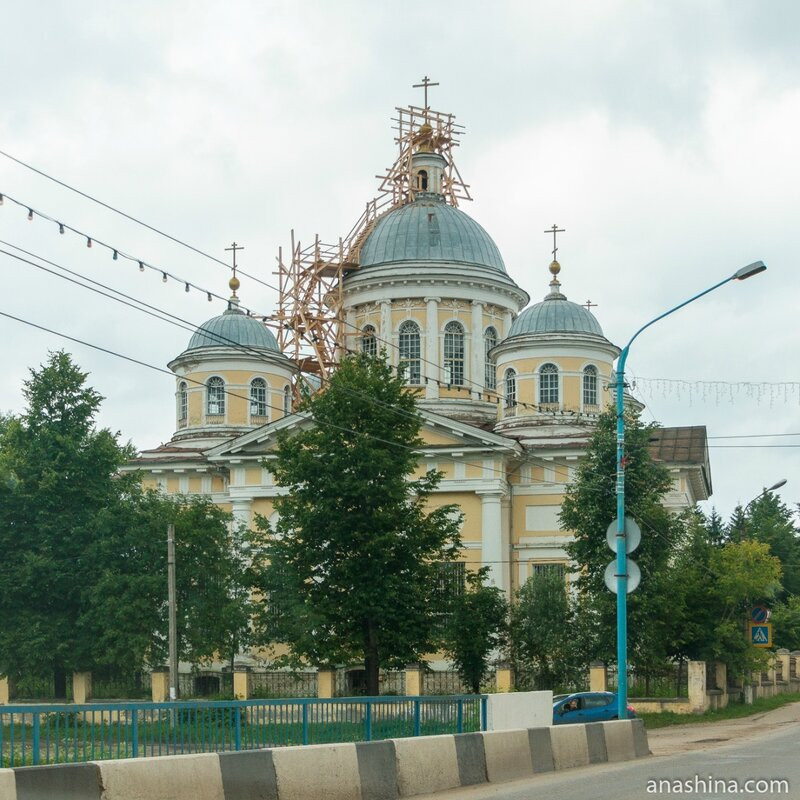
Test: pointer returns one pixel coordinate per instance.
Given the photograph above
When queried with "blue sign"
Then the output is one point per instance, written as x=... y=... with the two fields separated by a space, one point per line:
x=759 y=614
x=761 y=635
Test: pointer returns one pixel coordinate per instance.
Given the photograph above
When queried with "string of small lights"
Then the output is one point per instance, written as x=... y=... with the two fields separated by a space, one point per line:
x=117 y=252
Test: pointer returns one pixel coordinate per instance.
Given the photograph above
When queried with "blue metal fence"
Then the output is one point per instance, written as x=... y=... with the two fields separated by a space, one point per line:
x=51 y=734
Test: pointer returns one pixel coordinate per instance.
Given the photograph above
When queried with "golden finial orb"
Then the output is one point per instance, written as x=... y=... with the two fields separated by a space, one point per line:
x=234 y=284
x=555 y=267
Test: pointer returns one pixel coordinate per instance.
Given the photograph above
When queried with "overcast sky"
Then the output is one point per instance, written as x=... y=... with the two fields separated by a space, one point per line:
x=662 y=136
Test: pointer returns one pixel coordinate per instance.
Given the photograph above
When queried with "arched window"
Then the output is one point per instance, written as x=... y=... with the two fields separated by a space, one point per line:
x=215 y=397
x=409 y=355
x=287 y=399
x=510 y=380
x=548 y=384
x=454 y=354
x=590 y=385
x=183 y=402
x=369 y=342
x=258 y=397
x=422 y=180
x=489 y=341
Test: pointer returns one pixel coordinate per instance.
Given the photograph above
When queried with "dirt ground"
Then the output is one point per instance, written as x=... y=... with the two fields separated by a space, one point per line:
x=701 y=736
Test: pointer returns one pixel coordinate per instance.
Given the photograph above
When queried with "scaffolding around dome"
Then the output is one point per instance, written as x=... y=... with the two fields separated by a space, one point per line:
x=309 y=320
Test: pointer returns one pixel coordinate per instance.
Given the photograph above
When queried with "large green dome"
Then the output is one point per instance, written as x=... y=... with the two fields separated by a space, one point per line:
x=430 y=230
x=555 y=314
x=233 y=329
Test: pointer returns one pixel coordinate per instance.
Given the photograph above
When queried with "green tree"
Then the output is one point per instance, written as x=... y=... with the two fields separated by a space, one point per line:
x=588 y=509
x=476 y=628
x=786 y=623
x=58 y=471
x=127 y=603
x=545 y=634
x=771 y=521
x=352 y=566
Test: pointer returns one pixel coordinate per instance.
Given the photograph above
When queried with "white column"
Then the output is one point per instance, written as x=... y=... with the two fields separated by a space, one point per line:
x=475 y=380
x=506 y=323
x=387 y=334
x=241 y=512
x=430 y=370
x=492 y=538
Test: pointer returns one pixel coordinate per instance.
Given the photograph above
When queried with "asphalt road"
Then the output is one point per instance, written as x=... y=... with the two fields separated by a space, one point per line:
x=769 y=756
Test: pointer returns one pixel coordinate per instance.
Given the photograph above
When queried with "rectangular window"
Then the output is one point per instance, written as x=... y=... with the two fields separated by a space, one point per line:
x=541 y=569
x=450 y=581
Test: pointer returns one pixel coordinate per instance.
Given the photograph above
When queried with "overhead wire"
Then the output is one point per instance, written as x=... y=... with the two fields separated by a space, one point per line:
x=155 y=312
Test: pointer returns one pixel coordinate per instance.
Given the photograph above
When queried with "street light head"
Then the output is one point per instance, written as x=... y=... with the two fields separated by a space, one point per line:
x=781 y=482
x=749 y=270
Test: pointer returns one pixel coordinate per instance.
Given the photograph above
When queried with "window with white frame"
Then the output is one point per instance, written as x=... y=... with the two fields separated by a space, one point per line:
x=409 y=352
x=215 y=397
x=287 y=399
x=369 y=342
x=451 y=578
x=490 y=370
x=183 y=401
x=454 y=354
x=590 y=385
x=258 y=397
x=510 y=381
x=548 y=384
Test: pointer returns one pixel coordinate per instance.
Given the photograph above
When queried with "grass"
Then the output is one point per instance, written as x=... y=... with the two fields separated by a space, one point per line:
x=664 y=719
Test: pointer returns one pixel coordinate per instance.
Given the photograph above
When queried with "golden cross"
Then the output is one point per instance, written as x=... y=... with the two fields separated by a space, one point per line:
x=426 y=82
x=234 y=247
x=554 y=230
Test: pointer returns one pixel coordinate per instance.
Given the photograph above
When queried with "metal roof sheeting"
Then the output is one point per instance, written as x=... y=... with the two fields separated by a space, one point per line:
x=231 y=329
x=430 y=230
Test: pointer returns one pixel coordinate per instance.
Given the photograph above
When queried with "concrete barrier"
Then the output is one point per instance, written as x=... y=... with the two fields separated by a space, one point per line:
x=570 y=746
x=383 y=770
x=518 y=710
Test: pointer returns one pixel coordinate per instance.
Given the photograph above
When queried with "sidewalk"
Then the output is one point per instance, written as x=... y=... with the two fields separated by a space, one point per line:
x=701 y=736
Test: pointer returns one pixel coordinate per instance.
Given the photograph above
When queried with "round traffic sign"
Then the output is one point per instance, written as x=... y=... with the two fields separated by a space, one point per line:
x=633 y=535
x=760 y=614
x=634 y=576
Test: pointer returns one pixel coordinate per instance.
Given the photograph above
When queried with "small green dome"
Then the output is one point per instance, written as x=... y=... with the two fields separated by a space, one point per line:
x=233 y=329
x=430 y=230
x=556 y=314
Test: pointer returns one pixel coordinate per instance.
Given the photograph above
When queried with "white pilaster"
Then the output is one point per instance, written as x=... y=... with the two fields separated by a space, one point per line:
x=476 y=379
x=430 y=370
x=492 y=538
x=387 y=334
x=352 y=336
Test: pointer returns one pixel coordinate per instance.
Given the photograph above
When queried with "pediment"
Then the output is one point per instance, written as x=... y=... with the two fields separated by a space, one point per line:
x=439 y=433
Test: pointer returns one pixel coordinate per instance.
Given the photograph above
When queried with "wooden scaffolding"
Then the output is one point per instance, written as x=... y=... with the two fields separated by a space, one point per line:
x=309 y=317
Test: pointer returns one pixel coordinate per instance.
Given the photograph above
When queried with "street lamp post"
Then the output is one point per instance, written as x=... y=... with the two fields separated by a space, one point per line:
x=781 y=482
x=622 y=555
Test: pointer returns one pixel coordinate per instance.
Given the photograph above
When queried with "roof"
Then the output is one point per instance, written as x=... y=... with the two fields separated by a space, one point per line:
x=234 y=328
x=555 y=314
x=680 y=445
x=430 y=230
x=685 y=445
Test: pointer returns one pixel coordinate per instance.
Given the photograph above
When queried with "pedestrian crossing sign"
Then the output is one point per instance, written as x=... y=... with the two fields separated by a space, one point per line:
x=761 y=634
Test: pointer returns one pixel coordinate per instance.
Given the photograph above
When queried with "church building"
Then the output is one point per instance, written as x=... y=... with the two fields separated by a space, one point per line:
x=509 y=390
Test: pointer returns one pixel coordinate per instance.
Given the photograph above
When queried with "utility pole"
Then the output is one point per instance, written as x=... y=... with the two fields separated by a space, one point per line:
x=173 y=641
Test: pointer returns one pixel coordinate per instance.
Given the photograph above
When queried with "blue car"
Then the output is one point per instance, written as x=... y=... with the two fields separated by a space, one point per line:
x=586 y=707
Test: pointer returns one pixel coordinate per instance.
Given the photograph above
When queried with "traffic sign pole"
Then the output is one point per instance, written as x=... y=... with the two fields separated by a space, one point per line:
x=622 y=548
